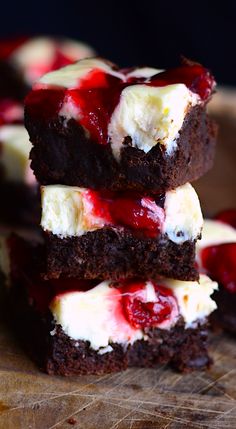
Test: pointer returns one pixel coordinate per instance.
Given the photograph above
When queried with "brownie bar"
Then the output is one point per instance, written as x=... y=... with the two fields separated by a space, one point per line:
x=63 y=154
x=79 y=327
x=57 y=354
x=112 y=253
x=225 y=315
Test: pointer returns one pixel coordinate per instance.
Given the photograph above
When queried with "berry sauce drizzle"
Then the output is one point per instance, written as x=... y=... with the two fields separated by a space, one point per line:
x=98 y=94
x=145 y=314
x=144 y=215
x=198 y=79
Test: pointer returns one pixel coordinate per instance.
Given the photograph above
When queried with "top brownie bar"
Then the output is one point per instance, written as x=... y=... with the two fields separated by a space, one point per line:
x=96 y=126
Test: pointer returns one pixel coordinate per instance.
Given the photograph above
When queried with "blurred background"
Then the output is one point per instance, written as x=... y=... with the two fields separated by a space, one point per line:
x=129 y=33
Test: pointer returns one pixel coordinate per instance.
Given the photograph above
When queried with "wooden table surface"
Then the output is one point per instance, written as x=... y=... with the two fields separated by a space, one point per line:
x=137 y=398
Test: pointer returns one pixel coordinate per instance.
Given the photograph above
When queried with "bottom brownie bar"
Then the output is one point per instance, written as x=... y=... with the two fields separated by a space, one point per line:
x=58 y=354
x=72 y=326
x=217 y=257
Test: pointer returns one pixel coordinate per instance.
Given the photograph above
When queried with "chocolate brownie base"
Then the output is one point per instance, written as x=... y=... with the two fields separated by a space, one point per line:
x=20 y=204
x=184 y=349
x=63 y=154
x=110 y=253
x=225 y=315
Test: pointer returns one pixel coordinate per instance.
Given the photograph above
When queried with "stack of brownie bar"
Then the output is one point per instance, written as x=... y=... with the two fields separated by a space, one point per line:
x=115 y=283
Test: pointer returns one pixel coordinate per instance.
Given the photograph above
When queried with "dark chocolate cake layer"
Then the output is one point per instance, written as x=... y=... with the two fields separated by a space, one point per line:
x=114 y=254
x=63 y=154
x=57 y=354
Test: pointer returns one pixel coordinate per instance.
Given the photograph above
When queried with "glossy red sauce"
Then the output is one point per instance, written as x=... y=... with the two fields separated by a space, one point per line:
x=143 y=214
x=198 y=79
x=141 y=314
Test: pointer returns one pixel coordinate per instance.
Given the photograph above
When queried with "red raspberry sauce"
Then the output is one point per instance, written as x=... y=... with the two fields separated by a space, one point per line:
x=98 y=94
x=131 y=210
x=220 y=263
x=141 y=314
x=195 y=77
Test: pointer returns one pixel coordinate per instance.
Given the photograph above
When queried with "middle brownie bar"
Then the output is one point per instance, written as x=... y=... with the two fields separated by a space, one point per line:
x=92 y=234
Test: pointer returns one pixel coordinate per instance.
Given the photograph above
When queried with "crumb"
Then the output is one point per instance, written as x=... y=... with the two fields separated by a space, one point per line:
x=71 y=421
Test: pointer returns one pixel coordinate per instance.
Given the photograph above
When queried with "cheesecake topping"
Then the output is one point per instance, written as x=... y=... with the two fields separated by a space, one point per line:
x=73 y=211
x=123 y=313
x=147 y=105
